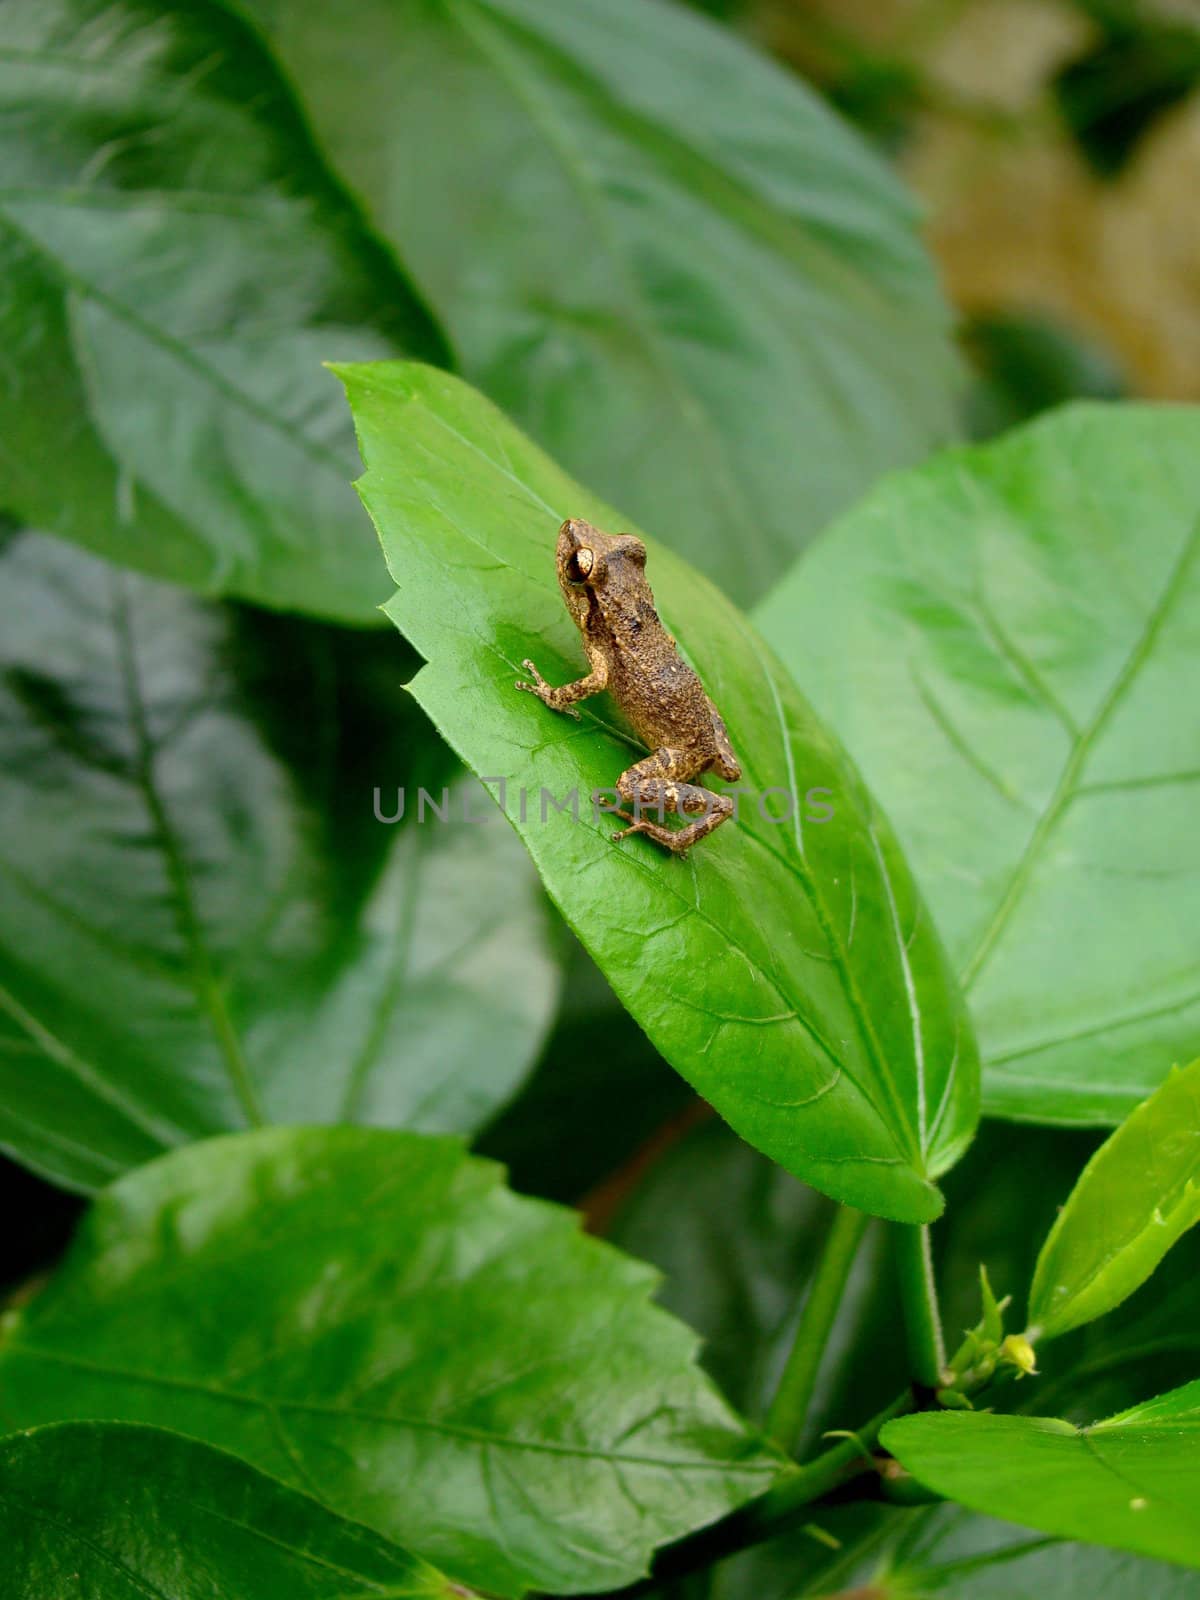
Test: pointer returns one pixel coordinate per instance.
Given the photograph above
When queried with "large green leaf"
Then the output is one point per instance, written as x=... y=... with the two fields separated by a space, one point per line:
x=202 y=923
x=1132 y=1482
x=1137 y=1195
x=109 y=1512
x=373 y=1317
x=786 y=968
x=1008 y=641
x=659 y=252
x=174 y=265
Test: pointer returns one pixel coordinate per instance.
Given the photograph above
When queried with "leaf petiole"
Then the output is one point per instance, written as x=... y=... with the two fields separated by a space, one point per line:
x=918 y=1299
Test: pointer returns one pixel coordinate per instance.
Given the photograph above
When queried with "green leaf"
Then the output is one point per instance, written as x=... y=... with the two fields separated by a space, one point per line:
x=1006 y=639
x=656 y=250
x=1136 y=1196
x=736 y=1239
x=1151 y=1341
x=374 y=1318
x=175 y=265
x=1132 y=1482
x=786 y=968
x=109 y=1512
x=944 y=1550
x=202 y=923
x=1001 y=1202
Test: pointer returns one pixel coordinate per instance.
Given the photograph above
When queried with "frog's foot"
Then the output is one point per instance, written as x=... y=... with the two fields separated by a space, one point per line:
x=657 y=784
x=653 y=830
x=546 y=692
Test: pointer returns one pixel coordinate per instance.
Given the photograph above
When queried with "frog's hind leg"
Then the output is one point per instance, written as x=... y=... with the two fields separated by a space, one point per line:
x=658 y=784
x=724 y=762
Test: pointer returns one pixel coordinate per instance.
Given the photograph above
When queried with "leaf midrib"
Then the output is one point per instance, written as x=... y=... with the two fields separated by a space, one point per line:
x=207 y=990
x=321 y=454
x=1068 y=784
x=418 y=1424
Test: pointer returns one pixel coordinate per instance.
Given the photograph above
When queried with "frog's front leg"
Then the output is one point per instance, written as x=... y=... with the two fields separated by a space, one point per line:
x=658 y=784
x=562 y=697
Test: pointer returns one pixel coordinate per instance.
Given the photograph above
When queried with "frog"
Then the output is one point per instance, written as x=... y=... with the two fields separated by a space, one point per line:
x=631 y=654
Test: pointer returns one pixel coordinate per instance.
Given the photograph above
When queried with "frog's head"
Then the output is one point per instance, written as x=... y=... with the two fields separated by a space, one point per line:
x=592 y=565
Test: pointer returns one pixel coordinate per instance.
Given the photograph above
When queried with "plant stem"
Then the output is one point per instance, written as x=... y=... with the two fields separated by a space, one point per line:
x=776 y=1511
x=789 y=1409
x=918 y=1297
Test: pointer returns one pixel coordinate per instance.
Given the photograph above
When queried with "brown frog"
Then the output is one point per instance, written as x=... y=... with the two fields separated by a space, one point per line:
x=603 y=581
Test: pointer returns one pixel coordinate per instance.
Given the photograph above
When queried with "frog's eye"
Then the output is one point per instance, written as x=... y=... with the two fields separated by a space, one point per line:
x=579 y=567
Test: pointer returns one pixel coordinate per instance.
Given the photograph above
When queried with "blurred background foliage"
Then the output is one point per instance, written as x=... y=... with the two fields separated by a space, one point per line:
x=1054 y=144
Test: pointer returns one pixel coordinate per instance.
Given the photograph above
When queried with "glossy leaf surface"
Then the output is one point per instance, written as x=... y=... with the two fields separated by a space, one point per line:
x=786 y=967
x=1008 y=639
x=1137 y=1195
x=119 y=1513
x=658 y=251
x=175 y=266
x=202 y=922
x=1132 y=1482
x=372 y=1317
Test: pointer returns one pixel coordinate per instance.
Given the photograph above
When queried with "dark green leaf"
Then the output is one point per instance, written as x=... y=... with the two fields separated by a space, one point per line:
x=656 y=250
x=119 y=1513
x=175 y=265
x=373 y=1317
x=1029 y=363
x=599 y=1091
x=1007 y=641
x=946 y=1551
x=786 y=967
x=736 y=1239
x=1132 y=1482
x=202 y=923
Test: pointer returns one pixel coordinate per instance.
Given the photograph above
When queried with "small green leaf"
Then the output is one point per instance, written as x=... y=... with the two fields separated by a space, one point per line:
x=1006 y=640
x=1132 y=1482
x=1135 y=1197
x=786 y=968
x=175 y=264
x=373 y=1318
x=108 y=1512
x=992 y=1325
x=202 y=921
x=658 y=251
